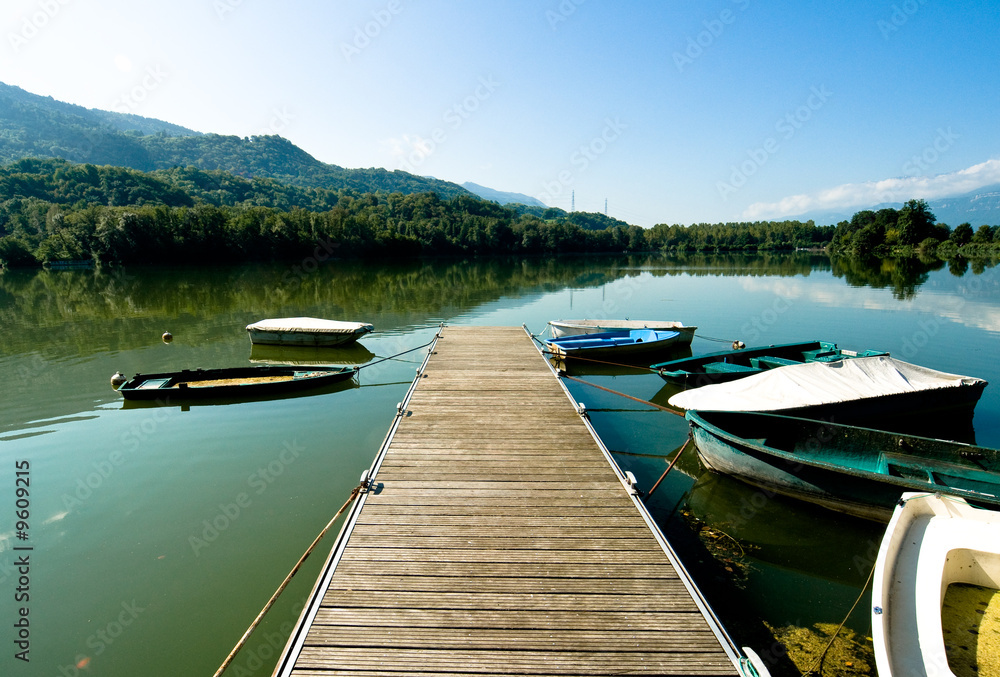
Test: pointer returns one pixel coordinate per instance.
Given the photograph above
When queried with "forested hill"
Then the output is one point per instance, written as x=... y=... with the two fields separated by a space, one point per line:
x=60 y=182
x=37 y=126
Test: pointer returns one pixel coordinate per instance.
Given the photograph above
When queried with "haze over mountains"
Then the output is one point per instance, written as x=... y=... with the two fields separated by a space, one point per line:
x=40 y=126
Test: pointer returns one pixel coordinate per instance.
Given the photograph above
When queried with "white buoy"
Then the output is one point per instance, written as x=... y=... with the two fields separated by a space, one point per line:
x=167 y=337
x=739 y=345
x=117 y=379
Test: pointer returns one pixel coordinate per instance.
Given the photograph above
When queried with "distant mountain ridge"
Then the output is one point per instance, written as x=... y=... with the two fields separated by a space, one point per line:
x=38 y=126
x=502 y=197
x=977 y=208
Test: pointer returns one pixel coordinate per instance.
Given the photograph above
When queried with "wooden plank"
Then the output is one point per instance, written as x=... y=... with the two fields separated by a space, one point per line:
x=610 y=621
x=497 y=540
x=516 y=662
x=413 y=581
x=523 y=555
x=557 y=639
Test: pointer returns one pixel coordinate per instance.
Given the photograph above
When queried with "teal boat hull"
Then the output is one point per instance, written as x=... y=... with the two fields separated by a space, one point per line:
x=849 y=469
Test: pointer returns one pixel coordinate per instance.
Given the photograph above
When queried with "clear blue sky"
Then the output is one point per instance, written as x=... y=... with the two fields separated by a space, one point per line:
x=675 y=112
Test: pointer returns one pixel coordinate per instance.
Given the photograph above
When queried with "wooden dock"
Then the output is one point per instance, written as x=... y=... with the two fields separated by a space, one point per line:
x=498 y=539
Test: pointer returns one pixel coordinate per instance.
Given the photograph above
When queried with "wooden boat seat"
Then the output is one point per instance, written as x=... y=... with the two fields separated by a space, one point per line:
x=769 y=362
x=727 y=368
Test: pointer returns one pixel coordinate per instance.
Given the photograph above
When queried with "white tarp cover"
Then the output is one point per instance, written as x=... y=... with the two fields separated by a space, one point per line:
x=310 y=325
x=815 y=383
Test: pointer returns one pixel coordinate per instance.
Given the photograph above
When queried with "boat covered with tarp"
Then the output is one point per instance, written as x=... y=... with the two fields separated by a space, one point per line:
x=306 y=331
x=877 y=390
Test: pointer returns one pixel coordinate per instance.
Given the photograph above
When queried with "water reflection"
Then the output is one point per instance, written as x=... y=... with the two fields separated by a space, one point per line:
x=64 y=333
x=902 y=276
x=309 y=356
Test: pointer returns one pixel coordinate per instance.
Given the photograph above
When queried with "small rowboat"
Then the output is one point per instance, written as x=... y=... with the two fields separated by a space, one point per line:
x=562 y=328
x=238 y=382
x=935 y=608
x=306 y=331
x=622 y=345
x=729 y=365
x=849 y=469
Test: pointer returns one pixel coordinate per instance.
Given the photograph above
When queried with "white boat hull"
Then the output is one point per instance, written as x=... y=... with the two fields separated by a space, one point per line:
x=930 y=543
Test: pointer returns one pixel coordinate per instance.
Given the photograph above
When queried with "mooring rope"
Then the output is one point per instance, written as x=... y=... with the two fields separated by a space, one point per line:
x=717 y=340
x=284 y=584
x=615 y=392
x=393 y=357
x=671 y=465
x=818 y=663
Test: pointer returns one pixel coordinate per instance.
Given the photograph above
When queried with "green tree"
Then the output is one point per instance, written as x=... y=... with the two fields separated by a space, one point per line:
x=915 y=222
x=962 y=234
x=983 y=235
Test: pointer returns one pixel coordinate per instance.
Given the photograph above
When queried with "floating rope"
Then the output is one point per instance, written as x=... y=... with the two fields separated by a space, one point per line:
x=615 y=392
x=284 y=584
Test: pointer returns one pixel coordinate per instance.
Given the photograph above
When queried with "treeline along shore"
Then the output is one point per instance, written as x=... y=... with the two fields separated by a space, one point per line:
x=55 y=211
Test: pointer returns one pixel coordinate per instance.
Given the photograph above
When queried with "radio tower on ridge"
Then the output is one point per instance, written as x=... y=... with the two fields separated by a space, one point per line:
x=572 y=201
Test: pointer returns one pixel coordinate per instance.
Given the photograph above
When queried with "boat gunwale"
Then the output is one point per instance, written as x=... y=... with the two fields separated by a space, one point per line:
x=695 y=418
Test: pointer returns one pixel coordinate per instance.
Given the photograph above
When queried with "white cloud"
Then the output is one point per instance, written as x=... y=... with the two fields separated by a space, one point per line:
x=872 y=193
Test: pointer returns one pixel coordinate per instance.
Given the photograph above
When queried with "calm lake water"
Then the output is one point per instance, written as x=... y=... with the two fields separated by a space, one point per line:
x=157 y=533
